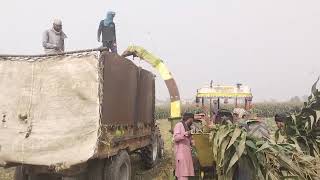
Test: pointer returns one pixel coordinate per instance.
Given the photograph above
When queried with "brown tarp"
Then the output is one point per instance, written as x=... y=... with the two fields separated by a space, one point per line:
x=146 y=97
x=119 y=91
x=128 y=95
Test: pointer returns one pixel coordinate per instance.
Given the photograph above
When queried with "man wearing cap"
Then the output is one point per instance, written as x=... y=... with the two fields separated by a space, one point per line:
x=53 y=39
x=107 y=29
x=182 y=147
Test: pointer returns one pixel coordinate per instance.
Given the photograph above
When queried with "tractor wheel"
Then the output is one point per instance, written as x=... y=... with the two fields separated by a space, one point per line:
x=118 y=167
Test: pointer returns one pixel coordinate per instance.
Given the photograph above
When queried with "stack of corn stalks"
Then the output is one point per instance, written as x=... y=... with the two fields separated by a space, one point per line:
x=241 y=155
x=234 y=149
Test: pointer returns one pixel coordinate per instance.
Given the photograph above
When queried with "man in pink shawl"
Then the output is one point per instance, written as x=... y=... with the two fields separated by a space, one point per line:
x=182 y=147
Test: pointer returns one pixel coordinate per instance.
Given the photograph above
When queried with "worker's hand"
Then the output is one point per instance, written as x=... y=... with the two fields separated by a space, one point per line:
x=193 y=143
x=56 y=47
x=187 y=133
x=199 y=116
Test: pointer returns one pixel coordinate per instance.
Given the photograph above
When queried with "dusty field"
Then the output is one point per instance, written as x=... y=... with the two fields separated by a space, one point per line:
x=6 y=174
x=164 y=170
x=161 y=172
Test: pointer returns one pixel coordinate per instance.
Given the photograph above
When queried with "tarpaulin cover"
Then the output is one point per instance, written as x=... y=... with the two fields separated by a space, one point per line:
x=50 y=109
x=128 y=92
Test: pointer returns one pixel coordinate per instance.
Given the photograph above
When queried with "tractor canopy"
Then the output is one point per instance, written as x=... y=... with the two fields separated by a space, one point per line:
x=222 y=91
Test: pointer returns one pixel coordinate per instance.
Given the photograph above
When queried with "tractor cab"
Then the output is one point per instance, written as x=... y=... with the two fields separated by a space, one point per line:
x=220 y=104
x=237 y=101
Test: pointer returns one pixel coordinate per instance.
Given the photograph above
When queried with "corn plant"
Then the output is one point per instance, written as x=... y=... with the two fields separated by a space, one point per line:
x=303 y=128
x=235 y=149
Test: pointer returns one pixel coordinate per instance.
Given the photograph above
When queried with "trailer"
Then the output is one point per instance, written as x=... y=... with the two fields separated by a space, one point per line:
x=77 y=115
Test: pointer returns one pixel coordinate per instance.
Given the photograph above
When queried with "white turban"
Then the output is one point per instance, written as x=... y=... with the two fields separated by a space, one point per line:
x=57 y=22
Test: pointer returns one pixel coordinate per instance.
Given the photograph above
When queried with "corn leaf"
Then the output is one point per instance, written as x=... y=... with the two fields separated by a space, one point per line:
x=235 y=135
x=239 y=151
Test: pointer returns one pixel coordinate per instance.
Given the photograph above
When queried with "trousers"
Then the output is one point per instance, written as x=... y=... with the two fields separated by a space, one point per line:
x=111 y=45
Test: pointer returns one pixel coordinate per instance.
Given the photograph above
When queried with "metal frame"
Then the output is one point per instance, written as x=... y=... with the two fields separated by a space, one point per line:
x=57 y=54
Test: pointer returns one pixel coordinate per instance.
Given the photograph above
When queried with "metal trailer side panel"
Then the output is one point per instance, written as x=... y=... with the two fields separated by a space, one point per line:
x=146 y=99
x=127 y=106
x=119 y=90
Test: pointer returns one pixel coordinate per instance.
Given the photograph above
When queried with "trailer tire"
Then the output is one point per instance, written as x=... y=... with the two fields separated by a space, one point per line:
x=20 y=174
x=95 y=169
x=82 y=176
x=118 y=167
x=161 y=144
x=44 y=176
x=150 y=155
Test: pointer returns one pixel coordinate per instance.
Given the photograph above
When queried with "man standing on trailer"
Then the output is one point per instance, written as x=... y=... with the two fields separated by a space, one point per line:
x=53 y=39
x=182 y=147
x=107 y=29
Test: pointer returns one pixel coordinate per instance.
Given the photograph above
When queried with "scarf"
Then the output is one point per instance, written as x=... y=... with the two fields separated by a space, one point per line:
x=186 y=127
x=59 y=33
x=109 y=18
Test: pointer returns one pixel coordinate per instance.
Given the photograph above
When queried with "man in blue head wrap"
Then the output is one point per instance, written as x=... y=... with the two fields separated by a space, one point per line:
x=108 y=30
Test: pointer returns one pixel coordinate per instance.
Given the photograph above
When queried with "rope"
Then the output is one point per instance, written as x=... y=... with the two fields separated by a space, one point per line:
x=50 y=55
x=29 y=130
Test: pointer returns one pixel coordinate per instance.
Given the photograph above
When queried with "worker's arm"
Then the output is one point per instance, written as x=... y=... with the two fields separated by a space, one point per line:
x=45 y=41
x=62 y=48
x=99 y=31
x=115 y=36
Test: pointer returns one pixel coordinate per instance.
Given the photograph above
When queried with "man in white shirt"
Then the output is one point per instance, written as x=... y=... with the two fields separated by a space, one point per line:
x=53 y=39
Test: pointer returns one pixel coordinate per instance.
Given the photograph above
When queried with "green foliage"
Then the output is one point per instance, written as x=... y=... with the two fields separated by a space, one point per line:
x=261 y=109
x=234 y=147
x=303 y=128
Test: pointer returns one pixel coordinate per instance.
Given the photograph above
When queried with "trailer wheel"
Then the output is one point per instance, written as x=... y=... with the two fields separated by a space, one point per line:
x=95 y=170
x=150 y=155
x=82 y=176
x=161 y=148
x=161 y=144
x=118 y=167
x=20 y=174
x=44 y=176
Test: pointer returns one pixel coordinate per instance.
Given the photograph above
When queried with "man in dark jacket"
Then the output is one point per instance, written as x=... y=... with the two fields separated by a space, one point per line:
x=107 y=29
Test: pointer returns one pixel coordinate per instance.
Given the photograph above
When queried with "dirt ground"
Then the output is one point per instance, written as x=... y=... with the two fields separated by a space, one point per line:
x=163 y=171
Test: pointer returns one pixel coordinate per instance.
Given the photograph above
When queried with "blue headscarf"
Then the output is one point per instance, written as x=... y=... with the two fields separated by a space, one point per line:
x=109 y=18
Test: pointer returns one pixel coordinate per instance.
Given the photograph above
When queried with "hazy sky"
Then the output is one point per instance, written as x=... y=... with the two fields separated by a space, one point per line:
x=271 y=45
